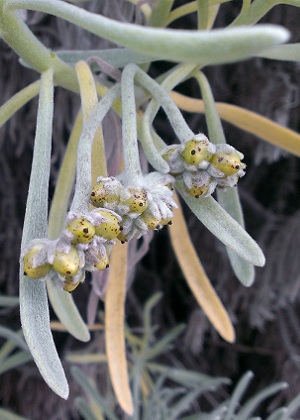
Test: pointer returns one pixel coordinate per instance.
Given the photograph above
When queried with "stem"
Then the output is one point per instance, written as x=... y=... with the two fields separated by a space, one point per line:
x=132 y=166
x=84 y=155
x=176 y=119
x=202 y=14
x=215 y=128
x=146 y=137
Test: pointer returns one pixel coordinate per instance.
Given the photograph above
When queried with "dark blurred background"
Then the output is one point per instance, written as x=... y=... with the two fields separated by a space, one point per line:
x=266 y=316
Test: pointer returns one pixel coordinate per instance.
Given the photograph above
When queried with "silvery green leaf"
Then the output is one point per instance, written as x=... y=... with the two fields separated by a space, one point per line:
x=288 y=52
x=34 y=309
x=14 y=337
x=7 y=301
x=7 y=415
x=67 y=312
x=253 y=402
x=17 y=359
x=243 y=269
x=117 y=57
x=224 y=227
x=84 y=409
x=92 y=393
x=228 y=199
x=237 y=395
x=199 y=47
x=280 y=414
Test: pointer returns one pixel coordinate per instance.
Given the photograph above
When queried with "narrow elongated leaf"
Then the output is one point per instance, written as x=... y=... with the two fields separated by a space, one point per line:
x=8 y=301
x=247 y=120
x=197 y=279
x=17 y=101
x=288 y=52
x=34 y=309
x=7 y=415
x=92 y=393
x=229 y=199
x=14 y=337
x=224 y=227
x=61 y=301
x=85 y=410
x=17 y=359
x=114 y=326
x=237 y=394
x=200 y=47
x=253 y=402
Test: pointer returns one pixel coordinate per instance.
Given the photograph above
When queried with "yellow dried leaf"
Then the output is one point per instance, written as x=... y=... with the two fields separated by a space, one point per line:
x=197 y=278
x=89 y=100
x=249 y=121
x=114 y=326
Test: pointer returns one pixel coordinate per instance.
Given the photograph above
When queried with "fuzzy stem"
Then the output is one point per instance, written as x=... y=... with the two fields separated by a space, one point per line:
x=146 y=137
x=84 y=155
x=132 y=166
x=177 y=121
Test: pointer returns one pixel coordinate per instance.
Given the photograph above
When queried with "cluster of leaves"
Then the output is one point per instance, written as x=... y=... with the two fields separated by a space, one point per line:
x=193 y=50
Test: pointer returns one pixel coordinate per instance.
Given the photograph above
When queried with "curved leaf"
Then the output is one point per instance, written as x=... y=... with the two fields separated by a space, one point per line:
x=34 y=309
x=202 y=47
x=288 y=52
x=114 y=327
x=196 y=277
x=224 y=227
x=21 y=98
x=228 y=199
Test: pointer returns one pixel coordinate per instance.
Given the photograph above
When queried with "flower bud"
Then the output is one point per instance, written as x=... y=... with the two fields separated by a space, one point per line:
x=137 y=199
x=122 y=237
x=199 y=184
x=66 y=263
x=106 y=190
x=71 y=283
x=30 y=268
x=151 y=221
x=228 y=162
x=196 y=151
x=171 y=155
x=82 y=229
x=109 y=228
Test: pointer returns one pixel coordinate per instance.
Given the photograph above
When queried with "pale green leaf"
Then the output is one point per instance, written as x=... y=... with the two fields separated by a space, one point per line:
x=14 y=337
x=288 y=52
x=229 y=199
x=202 y=47
x=253 y=402
x=34 y=309
x=224 y=227
x=7 y=415
x=14 y=361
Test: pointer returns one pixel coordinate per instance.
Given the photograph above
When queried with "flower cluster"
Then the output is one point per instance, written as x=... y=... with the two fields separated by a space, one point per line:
x=204 y=166
x=84 y=245
x=146 y=205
